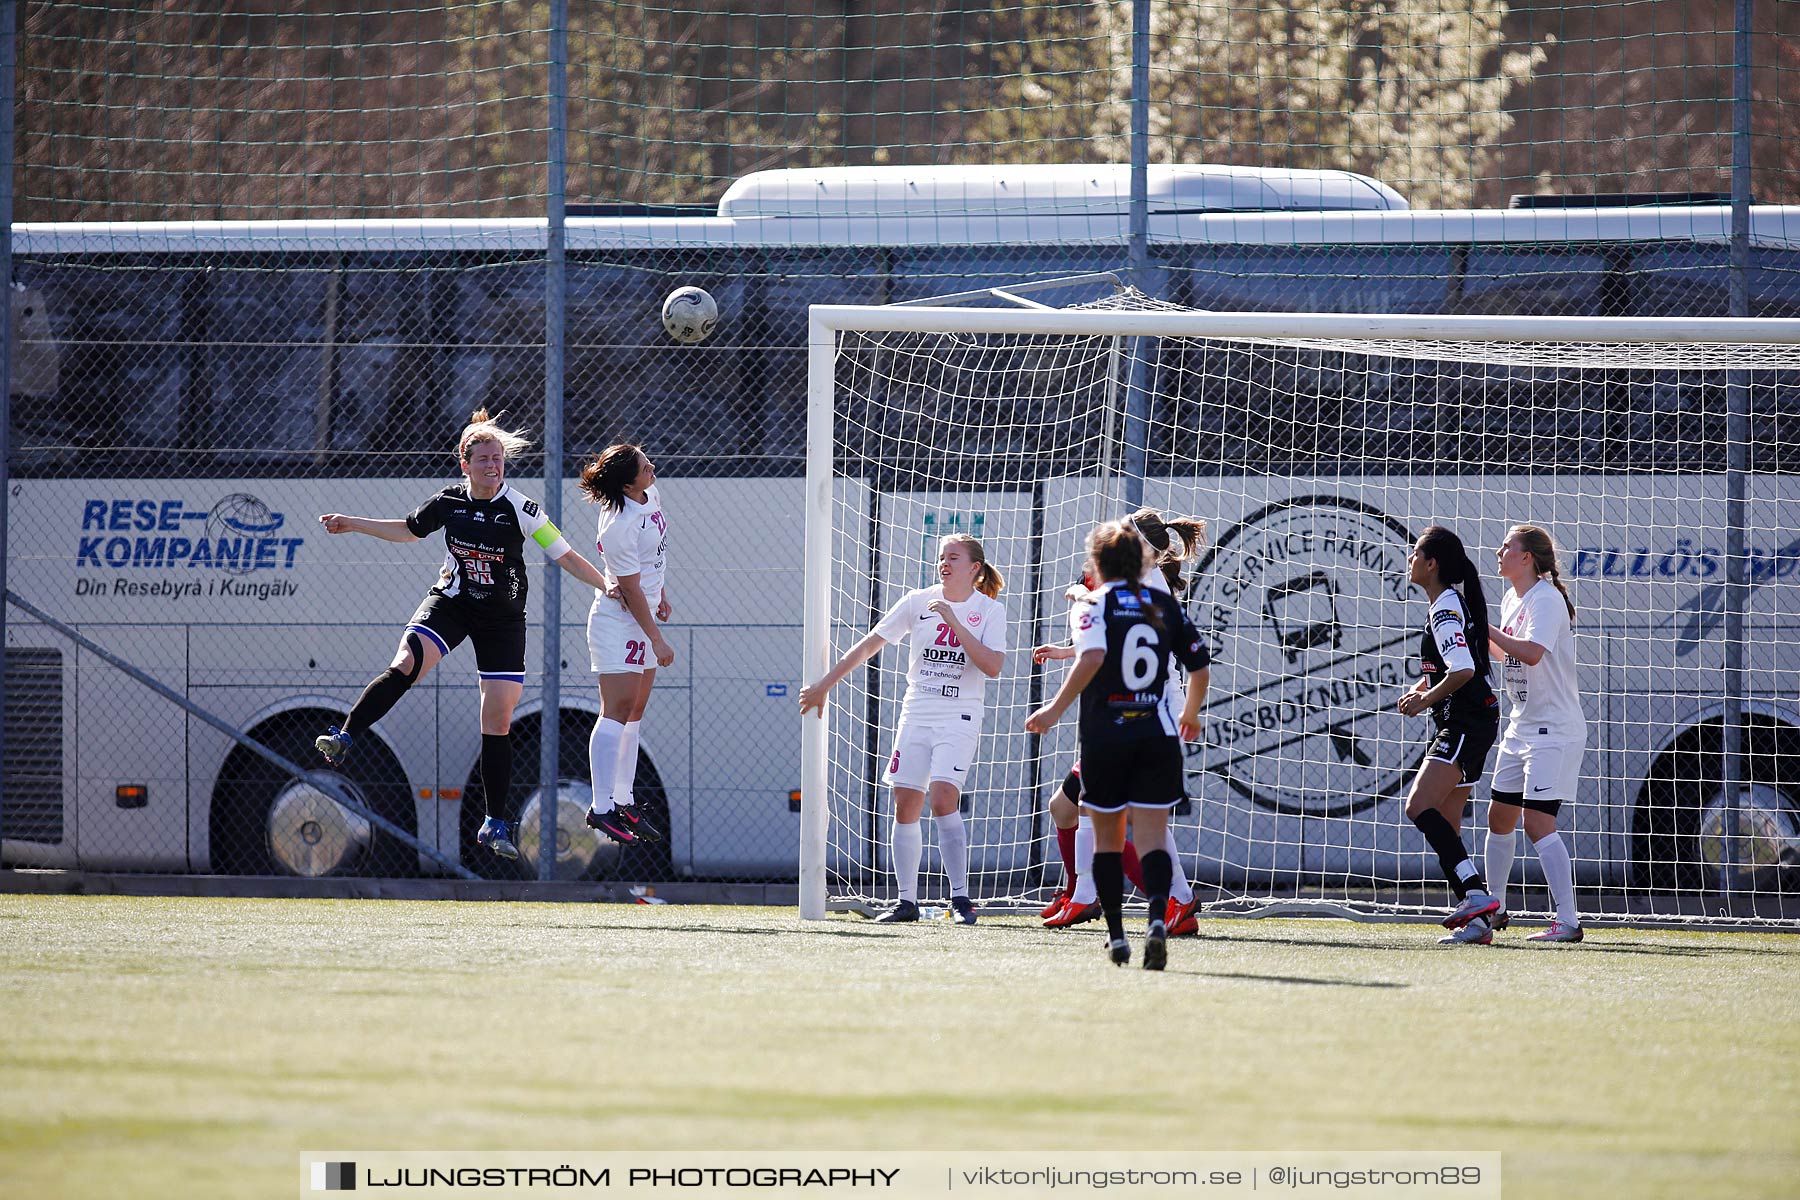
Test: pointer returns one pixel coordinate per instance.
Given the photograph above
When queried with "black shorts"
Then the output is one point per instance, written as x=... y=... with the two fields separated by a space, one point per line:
x=499 y=645
x=1141 y=774
x=1466 y=745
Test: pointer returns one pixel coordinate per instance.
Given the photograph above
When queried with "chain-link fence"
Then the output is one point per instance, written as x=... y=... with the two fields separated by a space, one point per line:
x=266 y=265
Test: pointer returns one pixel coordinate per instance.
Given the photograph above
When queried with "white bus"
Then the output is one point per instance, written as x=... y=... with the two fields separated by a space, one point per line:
x=188 y=397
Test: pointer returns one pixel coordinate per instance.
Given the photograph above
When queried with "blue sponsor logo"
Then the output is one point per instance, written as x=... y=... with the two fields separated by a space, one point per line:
x=238 y=535
x=1706 y=611
x=1683 y=560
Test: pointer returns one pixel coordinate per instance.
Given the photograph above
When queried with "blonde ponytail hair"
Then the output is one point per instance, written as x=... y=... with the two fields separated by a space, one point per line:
x=1538 y=543
x=987 y=580
x=483 y=428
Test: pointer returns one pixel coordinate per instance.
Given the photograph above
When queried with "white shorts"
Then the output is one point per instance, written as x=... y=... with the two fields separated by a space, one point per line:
x=934 y=750
x=1539 y=768
x=616 y=642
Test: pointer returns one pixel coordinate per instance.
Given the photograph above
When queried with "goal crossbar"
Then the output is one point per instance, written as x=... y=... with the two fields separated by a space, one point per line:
x=829 y=319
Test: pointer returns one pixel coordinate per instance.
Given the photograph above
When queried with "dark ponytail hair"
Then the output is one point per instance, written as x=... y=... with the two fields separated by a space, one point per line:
x=1455 y=570
x=610 y=472
x=1118 y=552
x=1162 y=533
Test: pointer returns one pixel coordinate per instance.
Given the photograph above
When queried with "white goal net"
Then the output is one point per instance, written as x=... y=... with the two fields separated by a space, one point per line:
x=1661 y=455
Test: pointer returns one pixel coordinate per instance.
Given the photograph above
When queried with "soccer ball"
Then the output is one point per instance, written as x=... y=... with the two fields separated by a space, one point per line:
x=690 y=314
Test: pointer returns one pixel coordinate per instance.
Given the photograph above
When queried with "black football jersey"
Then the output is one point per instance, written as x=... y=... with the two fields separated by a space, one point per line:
x=1124 y=701
x=484 y=563
x=1446 y=647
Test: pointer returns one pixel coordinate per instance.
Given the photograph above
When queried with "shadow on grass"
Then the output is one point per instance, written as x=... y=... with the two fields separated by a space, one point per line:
x=1599 y=943
x=1426 y=939
x=1379 y=984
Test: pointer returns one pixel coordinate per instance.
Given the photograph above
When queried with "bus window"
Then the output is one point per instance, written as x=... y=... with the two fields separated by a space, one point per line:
x=790 y=281
x=495 y=328
x=385 y=370
x=627 y=381
x=925 y=271
x=1774 y=282
x=1670 y=279
x=263 y=355
x=1538 y=281
x=1323 y=279
x=124 y=378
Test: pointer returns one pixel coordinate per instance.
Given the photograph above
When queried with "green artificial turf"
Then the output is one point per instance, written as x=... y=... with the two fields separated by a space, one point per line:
x=185 y=1047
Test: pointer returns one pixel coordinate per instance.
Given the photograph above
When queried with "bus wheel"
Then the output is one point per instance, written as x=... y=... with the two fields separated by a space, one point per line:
x=1677 y=840
x=581 y=852
x=266 y=822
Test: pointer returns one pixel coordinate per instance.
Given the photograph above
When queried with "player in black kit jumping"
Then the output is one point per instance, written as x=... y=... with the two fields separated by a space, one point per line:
x=479 y=596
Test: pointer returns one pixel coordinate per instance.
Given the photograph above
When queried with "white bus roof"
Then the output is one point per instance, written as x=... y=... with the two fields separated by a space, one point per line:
x=1038 y=190
x=1771 y=226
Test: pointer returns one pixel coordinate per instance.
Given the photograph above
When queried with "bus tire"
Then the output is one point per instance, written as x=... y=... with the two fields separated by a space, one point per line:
x=646 y=863
x=1669 y=841
x=265 y=822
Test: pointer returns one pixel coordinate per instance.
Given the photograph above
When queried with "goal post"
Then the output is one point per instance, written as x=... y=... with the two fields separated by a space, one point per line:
x=1318 y=447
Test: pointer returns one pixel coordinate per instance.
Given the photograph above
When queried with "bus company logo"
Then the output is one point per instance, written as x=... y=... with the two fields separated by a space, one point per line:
x=239 y=534
x=1304 y=604
x=1704 y=612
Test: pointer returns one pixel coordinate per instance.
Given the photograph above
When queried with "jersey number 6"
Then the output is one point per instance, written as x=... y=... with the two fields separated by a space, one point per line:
x=1138 y=657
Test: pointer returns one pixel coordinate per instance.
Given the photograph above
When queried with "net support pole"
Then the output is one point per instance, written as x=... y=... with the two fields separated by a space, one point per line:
x=1737 y=448
x=815 y=630
x=9 y=51
x=1137 y=394
x=555 y=298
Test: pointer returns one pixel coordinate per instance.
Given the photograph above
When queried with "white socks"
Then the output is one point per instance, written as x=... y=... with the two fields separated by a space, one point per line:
x=1497 y=863
x=612 y=763
x=909 y=847
x=1085 y=892
x=1180 y=890
x=953 y=848
x=1553 y=856
x=603 y=760
x=1559 y=873
x=625 y=773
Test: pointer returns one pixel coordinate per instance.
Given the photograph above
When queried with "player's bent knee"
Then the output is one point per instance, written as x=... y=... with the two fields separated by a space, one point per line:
x=410 y=663
x=1503 y=811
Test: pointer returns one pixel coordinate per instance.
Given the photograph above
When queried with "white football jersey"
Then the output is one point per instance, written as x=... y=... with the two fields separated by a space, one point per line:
x=635 y=541
x=940 y=679
x=1544 y=697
